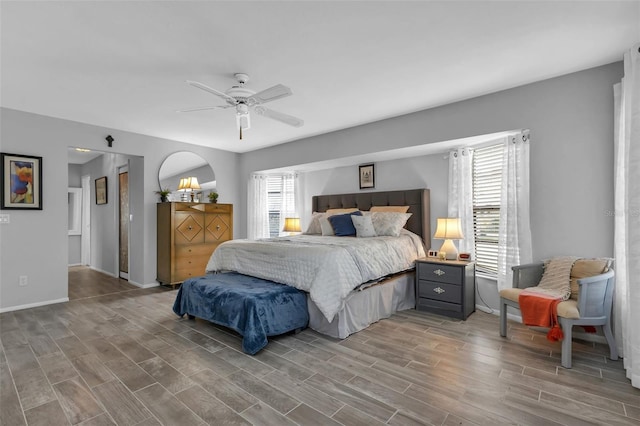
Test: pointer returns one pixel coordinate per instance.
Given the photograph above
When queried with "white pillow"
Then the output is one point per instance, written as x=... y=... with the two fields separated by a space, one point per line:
x=364 y=226
x=389 y=223
x=314 y=226
x=325 y=226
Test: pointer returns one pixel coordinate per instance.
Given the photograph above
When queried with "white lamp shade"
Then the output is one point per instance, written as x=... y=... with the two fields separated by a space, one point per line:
x=189 y=183
x=448 y=228
x=292 y=224
x=183 y=184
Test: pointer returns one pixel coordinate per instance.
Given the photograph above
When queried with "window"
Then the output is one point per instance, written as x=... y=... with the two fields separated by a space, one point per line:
x=487 y=184
x=280 y=201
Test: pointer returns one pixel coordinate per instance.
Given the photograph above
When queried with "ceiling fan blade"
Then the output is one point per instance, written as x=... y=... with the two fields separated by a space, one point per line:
x=271 y=94
x=282 y=117
x=204 y=108
x=213 y=91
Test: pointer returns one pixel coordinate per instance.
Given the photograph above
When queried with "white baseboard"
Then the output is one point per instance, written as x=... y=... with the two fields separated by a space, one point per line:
x=487 y=309
x=144 y=285
x=33 y=305
x=111 y=274
x=74 y=264
x=150 y=285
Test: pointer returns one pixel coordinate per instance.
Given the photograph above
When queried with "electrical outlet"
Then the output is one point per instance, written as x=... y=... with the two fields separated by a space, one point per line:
x=23 y=280
x=4 y=218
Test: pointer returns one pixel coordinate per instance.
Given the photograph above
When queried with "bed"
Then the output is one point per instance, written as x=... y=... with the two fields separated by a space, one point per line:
x=346 y=280
x=368 y=304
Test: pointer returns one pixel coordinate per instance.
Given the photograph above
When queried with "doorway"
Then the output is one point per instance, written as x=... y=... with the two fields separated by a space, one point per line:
x=123 y=222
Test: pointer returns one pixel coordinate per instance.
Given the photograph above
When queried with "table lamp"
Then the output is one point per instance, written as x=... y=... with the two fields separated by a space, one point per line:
x=291 y=225
x=188 y=184
x=448 y=229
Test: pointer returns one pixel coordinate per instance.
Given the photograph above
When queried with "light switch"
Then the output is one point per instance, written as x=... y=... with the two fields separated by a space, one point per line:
x=4 y=218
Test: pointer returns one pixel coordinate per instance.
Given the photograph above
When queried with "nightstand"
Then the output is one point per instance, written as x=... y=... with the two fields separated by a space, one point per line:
x=446 y=287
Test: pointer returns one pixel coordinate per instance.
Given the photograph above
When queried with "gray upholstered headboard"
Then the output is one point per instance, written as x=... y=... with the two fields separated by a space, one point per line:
x=417 y=199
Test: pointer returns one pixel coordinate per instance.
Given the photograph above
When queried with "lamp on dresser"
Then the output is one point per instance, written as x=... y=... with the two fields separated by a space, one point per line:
x=188 y=184
x=448 y=229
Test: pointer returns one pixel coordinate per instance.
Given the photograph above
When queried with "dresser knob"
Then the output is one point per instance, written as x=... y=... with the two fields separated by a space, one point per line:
x=189 y=227
x=217 y=227
x=439 y=272
x=439 y=290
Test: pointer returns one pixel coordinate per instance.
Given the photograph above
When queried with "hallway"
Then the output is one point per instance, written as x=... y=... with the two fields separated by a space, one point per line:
x=85 y=282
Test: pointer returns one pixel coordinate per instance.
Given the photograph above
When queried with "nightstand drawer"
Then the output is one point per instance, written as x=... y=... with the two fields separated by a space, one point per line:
x=440 y=291
x=440 y=273
x=444 y=308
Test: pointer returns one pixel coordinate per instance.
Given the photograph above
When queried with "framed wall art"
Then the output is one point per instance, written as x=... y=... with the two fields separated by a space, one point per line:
x=367 y=176
x=101 y=190
x=21 y=182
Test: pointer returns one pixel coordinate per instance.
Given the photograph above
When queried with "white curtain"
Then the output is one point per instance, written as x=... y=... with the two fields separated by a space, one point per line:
x=627 y=215
x=257 y=208
x=461 y=196
x=514 y=240
x=288 y=208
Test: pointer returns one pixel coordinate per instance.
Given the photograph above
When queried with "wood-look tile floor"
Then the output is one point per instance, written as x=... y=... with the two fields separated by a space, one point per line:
x=126 y=359
x=85 y=282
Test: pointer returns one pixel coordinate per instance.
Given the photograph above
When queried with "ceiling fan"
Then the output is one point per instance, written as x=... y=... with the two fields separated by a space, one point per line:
x=242 y=99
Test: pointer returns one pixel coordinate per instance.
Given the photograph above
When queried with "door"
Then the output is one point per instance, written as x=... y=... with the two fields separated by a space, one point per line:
x=123 y=222
x=85 y=241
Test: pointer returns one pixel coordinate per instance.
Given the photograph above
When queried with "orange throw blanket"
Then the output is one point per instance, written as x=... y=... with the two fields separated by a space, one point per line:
x=541 y=310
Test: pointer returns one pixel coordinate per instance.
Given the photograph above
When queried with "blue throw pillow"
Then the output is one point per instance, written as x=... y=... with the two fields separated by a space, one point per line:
x=343 y=225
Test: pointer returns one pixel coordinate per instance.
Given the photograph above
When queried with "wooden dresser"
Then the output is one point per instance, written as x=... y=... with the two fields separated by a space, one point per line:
x=187 y=235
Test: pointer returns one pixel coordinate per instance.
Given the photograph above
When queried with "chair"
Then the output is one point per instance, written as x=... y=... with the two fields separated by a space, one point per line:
x=592 y=307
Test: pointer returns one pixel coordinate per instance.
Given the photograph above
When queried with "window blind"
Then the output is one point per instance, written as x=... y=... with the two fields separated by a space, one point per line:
x=487 y=184
x=280 y=192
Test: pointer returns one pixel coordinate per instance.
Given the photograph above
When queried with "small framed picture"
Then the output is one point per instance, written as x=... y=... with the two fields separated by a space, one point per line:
x=367 y=178
x=21 y=182
x=101 y=190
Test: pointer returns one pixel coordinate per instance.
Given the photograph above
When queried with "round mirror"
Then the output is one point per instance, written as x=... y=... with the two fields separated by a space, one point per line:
x=181 y=165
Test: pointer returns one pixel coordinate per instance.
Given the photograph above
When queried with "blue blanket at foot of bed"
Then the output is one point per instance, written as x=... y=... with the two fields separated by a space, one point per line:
x=253 y=307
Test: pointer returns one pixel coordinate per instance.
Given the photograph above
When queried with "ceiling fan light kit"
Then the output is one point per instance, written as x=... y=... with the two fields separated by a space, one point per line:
x=243 y=99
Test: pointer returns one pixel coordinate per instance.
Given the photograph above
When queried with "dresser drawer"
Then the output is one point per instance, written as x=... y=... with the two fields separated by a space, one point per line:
x=194 y=250
x=188 y=207
x=440 y=273
x=189 y=271
x=218 y=208
x=440 y=291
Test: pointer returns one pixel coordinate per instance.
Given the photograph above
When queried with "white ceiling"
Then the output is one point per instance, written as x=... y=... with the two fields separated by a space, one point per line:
x=123 y=64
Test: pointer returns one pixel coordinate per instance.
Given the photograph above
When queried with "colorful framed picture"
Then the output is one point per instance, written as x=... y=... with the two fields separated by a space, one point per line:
x=21 y=182
x=367 y=176
x=101 y=190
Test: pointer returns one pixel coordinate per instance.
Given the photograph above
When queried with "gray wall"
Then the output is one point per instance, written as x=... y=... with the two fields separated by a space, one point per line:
x=571 y=123
x=426 y=171
x=104 y=217
x=36 y=243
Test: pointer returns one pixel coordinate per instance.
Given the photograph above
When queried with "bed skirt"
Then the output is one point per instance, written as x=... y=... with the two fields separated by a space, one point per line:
x=363 y=308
